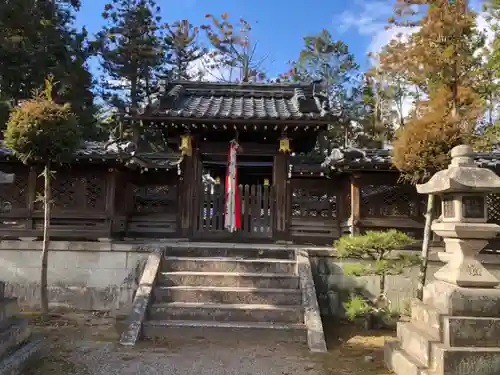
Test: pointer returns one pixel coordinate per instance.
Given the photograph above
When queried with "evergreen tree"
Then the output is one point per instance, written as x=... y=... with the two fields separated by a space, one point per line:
x=131 y=52
x=182 y=50
x=37 y=38
x=354 y=98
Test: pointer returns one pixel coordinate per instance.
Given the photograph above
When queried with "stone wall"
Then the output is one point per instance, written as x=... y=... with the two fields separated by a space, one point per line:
x=81 y=275
x=104 y=276
x=333 y=286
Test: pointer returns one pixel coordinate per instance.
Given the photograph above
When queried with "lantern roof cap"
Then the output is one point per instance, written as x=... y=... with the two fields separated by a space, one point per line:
x=462 y=176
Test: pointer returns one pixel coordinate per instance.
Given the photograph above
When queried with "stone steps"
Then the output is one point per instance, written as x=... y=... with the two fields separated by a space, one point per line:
x=225 y=264
x=227 y=312
x=415 y=342
x=227 y=279
x=239 y=252
x=217 y=289
x=228 y=295
x=182 y=329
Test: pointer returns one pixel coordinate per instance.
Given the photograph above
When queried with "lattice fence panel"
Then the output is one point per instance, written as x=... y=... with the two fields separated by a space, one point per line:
x=313 y=199
x=14 y=196
x=389 y=200
x=155 y=198
x=95 y=191
x=493 y=204
x=72 y=191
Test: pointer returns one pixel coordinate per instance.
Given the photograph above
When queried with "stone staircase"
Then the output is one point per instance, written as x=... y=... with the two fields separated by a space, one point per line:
x=205 y=290
x=436 y=344
x=18 y=348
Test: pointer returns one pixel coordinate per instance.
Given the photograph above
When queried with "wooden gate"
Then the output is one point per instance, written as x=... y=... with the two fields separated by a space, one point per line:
x=255 y=210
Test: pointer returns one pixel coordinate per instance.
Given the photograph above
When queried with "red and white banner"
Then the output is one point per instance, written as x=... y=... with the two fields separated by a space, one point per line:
x=232 y=205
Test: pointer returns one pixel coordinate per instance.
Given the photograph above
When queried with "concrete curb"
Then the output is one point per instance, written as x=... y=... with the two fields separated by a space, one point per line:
x=312 y=318
x=142 y=298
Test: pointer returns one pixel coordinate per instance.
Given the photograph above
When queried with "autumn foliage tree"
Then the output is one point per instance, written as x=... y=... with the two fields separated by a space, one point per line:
x=232 y=49
x=440 y=60
x=40 y=130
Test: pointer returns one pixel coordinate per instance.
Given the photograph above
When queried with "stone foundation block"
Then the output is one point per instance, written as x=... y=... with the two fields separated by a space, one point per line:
x=465 y=361
x=426 y=318
x=453 y=300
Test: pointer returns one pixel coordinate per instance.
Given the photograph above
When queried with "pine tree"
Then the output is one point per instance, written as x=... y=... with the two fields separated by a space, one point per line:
x=329 y=61
x=131 y=52
x=182 y=50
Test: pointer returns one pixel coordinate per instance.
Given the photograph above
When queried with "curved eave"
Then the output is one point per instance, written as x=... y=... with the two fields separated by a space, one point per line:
x=168 y=120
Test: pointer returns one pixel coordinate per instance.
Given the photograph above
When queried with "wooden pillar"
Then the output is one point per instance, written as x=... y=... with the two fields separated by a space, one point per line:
x=355 y=205
x=281 y=187
x=190 y=179
x=111 y=183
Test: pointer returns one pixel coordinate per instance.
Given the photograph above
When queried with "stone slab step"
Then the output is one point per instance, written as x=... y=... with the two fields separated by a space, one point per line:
x=225 y=312
x=260 y=331
x=250 y=252
x=236 y=279
x=399 y=362
x=228 y=295
x=416 y=342
x=229 y=265
x=471 y=332
x=24 y=357
x=17 y=333
x=426 y=318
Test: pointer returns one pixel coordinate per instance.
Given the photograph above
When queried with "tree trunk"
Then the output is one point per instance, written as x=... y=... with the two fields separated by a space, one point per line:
x=382 y=298
x=45 y=247
x=425 y=247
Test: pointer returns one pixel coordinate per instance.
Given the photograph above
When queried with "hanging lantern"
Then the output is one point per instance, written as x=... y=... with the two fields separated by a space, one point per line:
x=186 y=145
x=217 y=180
x=284 y=145
x=266 y=182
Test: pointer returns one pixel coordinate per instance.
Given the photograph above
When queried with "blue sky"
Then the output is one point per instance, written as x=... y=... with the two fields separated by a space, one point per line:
x=279 y=25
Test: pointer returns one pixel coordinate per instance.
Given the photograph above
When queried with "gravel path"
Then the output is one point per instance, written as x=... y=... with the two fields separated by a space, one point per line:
x=85 y=344
x=185 y=358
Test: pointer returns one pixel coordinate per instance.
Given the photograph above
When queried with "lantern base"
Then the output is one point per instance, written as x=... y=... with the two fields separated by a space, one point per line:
x=463 y=268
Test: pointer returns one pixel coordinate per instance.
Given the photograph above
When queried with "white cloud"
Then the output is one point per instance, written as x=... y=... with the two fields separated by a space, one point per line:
x=371 y=19
x=210 y=69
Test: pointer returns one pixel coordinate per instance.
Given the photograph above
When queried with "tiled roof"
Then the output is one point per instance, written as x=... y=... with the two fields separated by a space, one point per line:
x=88 y=149
x=381 y=159
x=123 y=151
x=250 y=101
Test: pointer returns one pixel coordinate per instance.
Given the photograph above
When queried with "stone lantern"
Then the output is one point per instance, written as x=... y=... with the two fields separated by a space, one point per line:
x=463 y=187
x=455 y=329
